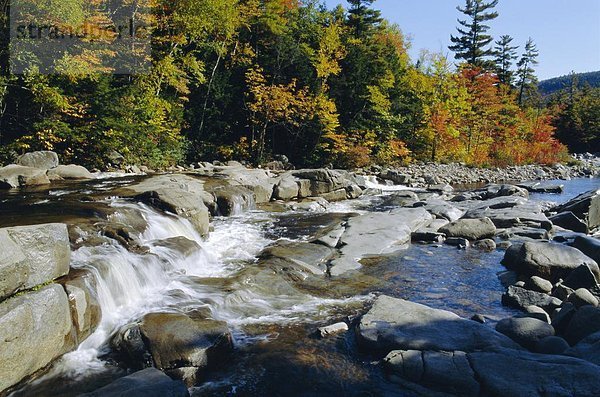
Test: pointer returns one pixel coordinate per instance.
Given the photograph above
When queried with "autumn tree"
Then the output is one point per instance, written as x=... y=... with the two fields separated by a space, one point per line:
x=472 y=45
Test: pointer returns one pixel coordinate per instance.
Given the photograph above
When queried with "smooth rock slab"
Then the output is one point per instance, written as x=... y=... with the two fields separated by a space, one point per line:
x=147 y=383
x=396 y=324
x=16 y=176
x=35 y=329
x=72 y=172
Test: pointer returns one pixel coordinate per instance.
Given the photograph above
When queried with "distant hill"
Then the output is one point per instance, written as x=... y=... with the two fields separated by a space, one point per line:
x=549 y=87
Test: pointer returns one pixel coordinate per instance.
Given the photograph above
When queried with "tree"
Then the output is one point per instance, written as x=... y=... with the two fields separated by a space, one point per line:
x=505 y=56
x=527 y=84
x=472 y=43
x=361 y=17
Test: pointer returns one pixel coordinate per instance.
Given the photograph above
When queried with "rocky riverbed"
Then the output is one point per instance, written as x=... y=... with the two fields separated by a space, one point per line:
x=227 y=280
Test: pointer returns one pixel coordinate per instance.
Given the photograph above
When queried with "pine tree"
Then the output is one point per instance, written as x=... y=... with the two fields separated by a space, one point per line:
x=472 y=45
x=505 y=56
x=361 y=17
x=526 y=74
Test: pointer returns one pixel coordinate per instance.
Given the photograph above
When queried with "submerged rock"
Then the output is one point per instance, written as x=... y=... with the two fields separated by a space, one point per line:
x=146 y=383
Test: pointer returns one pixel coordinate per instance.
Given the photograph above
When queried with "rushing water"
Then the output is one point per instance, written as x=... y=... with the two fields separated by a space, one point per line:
x=271 y=322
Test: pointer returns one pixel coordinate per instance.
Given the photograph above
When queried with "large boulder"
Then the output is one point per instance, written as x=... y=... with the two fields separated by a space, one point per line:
x=326 y=181
x=85 y=309
x=178 y=194
x=585 y=322
x=185 y=347
x=146 y=383
x=260 y=182
x=526 y=331
x=44 y=160
x=32 y=256
x=547 y=260
x=569 y=221
x=521 y=298
x=589 y=246
x=233 y=200
x=35 y=329
x=16 y=176
x=286 y=189
x=305 y=257
x=585 y=206
x=587 y=349
x=472 y=229
x=376 y=234
x=71 y=172
x=396 y=324
x=443 y=210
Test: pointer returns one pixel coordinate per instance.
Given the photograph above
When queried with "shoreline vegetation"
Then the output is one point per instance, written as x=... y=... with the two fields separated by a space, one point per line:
x=250 y=80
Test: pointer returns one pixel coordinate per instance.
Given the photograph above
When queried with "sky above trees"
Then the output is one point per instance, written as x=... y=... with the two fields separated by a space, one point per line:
x=567 y=33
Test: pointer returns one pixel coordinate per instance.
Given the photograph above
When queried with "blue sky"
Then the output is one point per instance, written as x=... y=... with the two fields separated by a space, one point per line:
x=567 y=32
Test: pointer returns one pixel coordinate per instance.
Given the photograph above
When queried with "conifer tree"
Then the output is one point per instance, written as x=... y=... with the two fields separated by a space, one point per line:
x=472 y=45
x=526 y=73
x=506 y=54
x=361 y=17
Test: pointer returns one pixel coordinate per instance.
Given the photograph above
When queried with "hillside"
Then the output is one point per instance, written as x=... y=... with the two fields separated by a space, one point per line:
x=548 y=87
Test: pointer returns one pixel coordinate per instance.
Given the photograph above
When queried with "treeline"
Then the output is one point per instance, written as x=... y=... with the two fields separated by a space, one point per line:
x=249 y=79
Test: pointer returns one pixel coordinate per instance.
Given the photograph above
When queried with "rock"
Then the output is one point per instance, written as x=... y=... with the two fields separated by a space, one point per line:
x=74 y=172
x=539 y=284
x=487 y=245
x=16 y=176
x=508 y=278
x=396 y=324
x=260 y=182
x=520 y=298
x=178 y=342
x=588 y=349
x=130 y=348
x=583 y=297
x=479 y=319
x=472 y=229
x=35 y=329
x=332 y=238
x=337 y=195
x=540 y=187
x=147 y=383
x=178 y=194
x=44 y=160
x=396 y=177
x=443 y=210
x=447 y=372
x=589 y=246
x=85 y=310
x=333 y=329
x=116 y=158
x=524 y=234
x=585 y=321
x=538 y=313
x=552 y=345
x=585 y=206
x=326 y=181
x=424 y=236
x=459 y=242
x=233 y=200
x=377 y=234
x=496 y=203
x=308 y=257
x=569 y=221
x=517 y=373
x=182 y=245
x=512 y=217
x=32 y=256
x=562 y=292
x=353 y=192
x=525 y=331
x=286 y=189
x=304 y=188
x=547 y=260
x=562 y=317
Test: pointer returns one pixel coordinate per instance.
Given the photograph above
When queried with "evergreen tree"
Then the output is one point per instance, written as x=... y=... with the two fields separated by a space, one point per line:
x=361 y=17
x=505 y=56
x=472 y=44
x=526 y=73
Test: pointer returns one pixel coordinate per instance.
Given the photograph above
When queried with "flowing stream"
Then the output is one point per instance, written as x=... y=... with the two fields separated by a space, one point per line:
x=271 y=323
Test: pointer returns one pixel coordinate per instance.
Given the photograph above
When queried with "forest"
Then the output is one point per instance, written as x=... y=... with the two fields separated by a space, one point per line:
x=253 y=79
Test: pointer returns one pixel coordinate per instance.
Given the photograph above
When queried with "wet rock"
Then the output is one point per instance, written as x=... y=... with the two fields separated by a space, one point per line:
x=447 y=372
x=512 y=217
x=147 y=383
x=336 y=195
x=233 y=200
x=472 y=229
x=178 y=342
x=585 y=321
x=583 y=297
x=526 y=331
x=589 y=246
x=16 y=176
x=487 y=245
x=35 y=329
x=286 y=189
x=495 y=203
x=396 y=324
x=353 y=192
x=70 y=172
x=310 y=257
x=508 y=278
x=518 y=373
x=479 y=319
x=524 y=234
x=332 y=237
x=552 y=345
x=377 y=234
x=459 y=242
x=424 y=236
x=32 y=256
x=333 y=329
x=130 y=348
x=521 y=298
x=547 y=260
x=85 y=310
x=541 y=187
x=585 y=206
x=43 y=160
x=569 y=221
x=588 y=349
x=539 y=284
x=181 y=245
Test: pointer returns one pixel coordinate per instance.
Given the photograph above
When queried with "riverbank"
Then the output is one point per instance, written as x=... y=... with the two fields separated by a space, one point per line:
x=256 y=261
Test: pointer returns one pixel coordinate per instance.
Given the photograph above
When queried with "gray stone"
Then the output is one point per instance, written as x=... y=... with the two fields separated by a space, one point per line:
x=521 y=298
x=538 y=313
x=85 y=310
x=583 y=297
x=589 y=246
x=548 y=260
x=512 y=217
x=562 y=292
x=333 y=329
x=310 y=257
x=16 y=176
x=146 y=383
x=326 y=181
x=562 y=317
x=35 y=329
x=424 y=236
x=233 y=200
x=336 y=195
x=32 y=256
x=458 y=242
x=508 y=278
x=585 y=321
x=395 y=176
x=525 y=331
x=585 y=206
x=487 y=245
x=582 y=277
x=539 y=284
x=444 y=210
x=286 y=189
x=396 y=324
x=569 y=221
x=44 y=160
x=588 y=349
x=542 y=187
x=552 y=345
x=72 y=172
x=260 y=182
x=472 y=229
